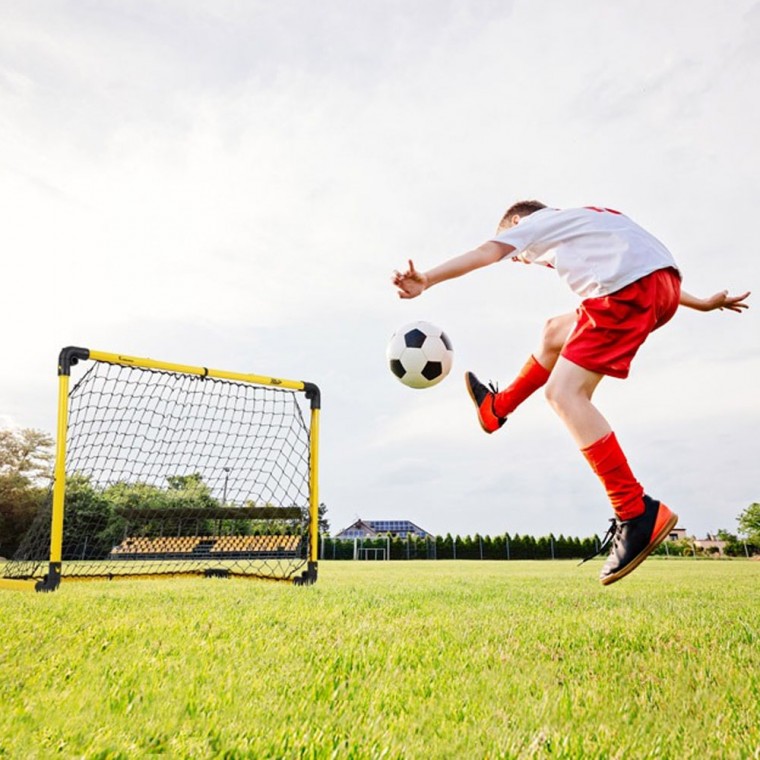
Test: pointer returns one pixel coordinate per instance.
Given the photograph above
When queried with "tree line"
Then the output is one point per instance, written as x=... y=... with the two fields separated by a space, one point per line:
x=97 y=518
x=99 y=513
x=506 y=547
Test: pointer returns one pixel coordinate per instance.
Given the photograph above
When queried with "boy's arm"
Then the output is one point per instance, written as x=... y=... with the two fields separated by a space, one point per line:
x=718 y=301
x=412 y=283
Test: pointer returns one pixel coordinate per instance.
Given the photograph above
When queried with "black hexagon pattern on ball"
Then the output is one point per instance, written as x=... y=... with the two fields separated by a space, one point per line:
x=432 y=370
x=397 y=368
x=414 y=338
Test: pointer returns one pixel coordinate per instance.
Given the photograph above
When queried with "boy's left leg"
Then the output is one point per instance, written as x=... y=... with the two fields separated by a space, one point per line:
x=495 y=406
x=641 y=523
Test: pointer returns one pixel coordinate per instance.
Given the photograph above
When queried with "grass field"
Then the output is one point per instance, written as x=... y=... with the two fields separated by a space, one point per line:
x=390 y=660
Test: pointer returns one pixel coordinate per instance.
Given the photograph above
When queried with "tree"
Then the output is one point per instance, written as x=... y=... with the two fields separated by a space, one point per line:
x=530 y=548
x=125 y=500
x=465 y=549
x=445 y=549
x=498 y=547
x=188 y=491
x=25 y=457
x=749 y=523
x=26 y=453
x=324 y=523
x=19 y=504
x=733 y=546
x=90 y=527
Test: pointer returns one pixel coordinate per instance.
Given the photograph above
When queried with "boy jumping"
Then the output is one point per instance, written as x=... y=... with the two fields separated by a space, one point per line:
x=630 y=286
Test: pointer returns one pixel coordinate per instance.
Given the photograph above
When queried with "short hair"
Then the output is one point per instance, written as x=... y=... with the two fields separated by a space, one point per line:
x=521 y=208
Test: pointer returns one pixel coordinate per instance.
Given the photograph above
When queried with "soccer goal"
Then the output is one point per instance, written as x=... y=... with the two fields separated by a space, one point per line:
x=165 y=469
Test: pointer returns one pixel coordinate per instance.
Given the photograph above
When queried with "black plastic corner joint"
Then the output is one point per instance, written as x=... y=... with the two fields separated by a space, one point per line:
x=314 y=395
x=69 y=356
x=308 y=577
x=52 y=580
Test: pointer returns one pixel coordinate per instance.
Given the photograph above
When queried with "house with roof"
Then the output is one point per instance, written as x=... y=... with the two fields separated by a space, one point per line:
x=378 y=528
x=677 y=534
x=711 y=544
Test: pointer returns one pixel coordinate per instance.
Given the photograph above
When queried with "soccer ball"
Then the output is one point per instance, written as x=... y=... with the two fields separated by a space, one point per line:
x=420 y=354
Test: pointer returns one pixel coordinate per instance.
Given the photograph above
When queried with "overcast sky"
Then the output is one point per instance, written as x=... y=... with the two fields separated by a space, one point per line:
x=230 y=184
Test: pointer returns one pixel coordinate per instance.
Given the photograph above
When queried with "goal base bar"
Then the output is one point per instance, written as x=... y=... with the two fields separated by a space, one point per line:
x=18 y=585
x=49 y=582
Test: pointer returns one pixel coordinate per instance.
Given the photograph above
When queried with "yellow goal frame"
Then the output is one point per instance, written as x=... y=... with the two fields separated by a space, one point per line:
x=71 y=356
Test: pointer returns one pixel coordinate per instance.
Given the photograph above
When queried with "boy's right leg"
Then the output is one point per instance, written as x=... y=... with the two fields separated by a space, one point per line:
x=641 y=523
x=494 y=406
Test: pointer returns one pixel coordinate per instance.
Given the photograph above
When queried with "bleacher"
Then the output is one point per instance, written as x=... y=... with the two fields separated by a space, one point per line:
x=256 y=544
x=207 y=547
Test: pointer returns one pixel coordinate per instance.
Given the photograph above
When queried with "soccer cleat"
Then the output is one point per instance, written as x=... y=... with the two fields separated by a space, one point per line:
x=635 y=539
x=483 y=397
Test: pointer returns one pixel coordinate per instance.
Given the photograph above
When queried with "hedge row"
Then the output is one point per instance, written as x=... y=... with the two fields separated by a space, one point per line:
x=503 y=547
x=458 y=547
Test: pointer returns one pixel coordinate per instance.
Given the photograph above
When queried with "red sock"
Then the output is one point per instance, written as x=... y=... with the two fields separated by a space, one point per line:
x=608 y=461
x=531 y=377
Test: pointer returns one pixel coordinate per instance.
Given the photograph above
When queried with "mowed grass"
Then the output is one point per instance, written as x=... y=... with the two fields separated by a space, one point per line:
x=390 y=660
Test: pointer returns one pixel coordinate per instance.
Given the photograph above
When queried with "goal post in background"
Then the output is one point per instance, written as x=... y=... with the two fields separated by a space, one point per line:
x=169 y=469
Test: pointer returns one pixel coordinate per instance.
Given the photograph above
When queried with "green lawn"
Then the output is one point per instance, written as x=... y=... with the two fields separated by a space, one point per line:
x=390 y=660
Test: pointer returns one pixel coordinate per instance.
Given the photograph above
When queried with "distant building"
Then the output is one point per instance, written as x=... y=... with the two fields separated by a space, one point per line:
x=710 y=544
x=677 y=534
x=376 y=528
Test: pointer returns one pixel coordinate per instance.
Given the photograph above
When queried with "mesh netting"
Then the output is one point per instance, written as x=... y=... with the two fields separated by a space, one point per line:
x=178 y=473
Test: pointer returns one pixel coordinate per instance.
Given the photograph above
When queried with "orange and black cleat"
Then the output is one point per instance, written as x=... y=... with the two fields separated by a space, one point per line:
x=635 y=539
x=483 y=397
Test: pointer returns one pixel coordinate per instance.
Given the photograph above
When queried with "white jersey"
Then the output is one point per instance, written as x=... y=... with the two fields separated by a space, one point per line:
x=595 y=251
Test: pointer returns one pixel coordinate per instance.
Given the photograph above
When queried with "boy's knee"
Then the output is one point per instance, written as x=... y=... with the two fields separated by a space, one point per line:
x=555 y=333
x=563 y=393
x=554 y=393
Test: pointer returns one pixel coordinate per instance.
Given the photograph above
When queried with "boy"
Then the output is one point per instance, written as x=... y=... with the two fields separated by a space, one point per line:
x=630 y=286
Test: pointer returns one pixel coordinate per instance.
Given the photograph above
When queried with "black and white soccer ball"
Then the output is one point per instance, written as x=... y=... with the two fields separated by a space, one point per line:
x=420 y=354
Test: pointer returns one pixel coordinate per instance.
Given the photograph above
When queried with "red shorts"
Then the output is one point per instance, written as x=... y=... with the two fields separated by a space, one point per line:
x=610 y=329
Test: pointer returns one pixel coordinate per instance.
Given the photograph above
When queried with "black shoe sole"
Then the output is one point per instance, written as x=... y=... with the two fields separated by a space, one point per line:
x=638 y=559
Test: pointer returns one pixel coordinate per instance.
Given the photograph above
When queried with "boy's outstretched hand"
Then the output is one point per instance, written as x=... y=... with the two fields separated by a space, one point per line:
x=724 y=301
x=410 y=283
x=720 y=300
